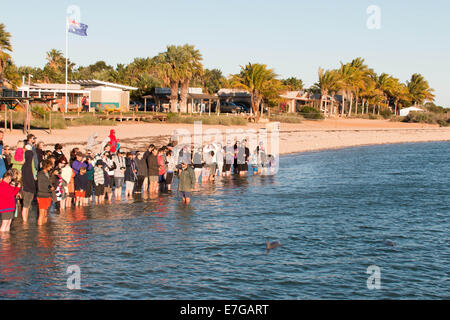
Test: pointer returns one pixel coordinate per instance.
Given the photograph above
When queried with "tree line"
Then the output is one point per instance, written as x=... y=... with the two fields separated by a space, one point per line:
x=180 y=67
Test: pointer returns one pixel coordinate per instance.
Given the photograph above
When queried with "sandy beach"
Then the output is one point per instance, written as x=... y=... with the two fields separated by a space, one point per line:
x=301 y=137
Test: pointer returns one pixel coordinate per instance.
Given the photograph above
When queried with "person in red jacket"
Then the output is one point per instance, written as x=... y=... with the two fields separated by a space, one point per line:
x=113 y=142
x=7 y=200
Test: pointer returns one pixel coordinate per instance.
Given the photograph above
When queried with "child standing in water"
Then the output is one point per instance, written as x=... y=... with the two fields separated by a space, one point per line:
x=186 y=182
x=171 y=166
x=81 y=182
x=44 y=193
x=99 y=182
x=7 y=200
x=58 y=194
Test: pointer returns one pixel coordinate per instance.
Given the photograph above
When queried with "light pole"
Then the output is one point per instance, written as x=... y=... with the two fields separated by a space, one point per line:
x=29 y=82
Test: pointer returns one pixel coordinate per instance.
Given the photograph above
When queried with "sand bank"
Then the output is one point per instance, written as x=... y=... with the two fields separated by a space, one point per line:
x=301 y=137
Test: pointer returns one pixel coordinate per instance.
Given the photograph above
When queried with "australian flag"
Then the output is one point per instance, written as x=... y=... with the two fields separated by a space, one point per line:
x=77 y=28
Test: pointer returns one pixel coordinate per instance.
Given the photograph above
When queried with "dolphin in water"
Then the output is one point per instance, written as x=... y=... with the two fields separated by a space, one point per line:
x=272 y=245
x=389 y=243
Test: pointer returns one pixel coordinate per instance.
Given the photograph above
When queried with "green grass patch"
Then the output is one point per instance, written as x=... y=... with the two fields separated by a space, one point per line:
x=205 y=119
x=286 y=118
x=90 y=120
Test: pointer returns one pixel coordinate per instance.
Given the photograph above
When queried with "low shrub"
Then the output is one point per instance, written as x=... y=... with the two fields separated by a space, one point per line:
x=286 y=118
x=90 y=120
x=421 y=117
x=443 y=123
x=311 y=113
x=211 y=120
x=386 y=113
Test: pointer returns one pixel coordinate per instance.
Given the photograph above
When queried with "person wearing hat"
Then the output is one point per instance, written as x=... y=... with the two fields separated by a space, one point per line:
x=186 y=181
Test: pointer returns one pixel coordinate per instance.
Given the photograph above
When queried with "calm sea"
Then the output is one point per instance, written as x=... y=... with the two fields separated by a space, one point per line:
x=333 y=211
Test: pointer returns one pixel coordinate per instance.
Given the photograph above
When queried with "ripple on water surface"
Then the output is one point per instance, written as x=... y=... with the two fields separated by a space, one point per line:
x=333 y=212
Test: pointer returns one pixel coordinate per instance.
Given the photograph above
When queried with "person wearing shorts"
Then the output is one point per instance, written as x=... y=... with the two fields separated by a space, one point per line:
x=228 y=159
x=28 y=183
x=27 y=199
x=198 y=164
x=99 y=182
x=153 y=171
x=44 y=193
x=119 y=174
x=142 y=172
x=7 y=200
x=130 y=175
x=161 y=170
x=171 y=167
x=81 y=182
x=90 y=184
x=186 y=182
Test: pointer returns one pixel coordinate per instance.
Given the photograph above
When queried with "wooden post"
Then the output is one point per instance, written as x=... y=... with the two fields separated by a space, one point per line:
x=209 y=105
x=50 y=118
x=6 y=117
x=11 y=120
x=25 y=124
x=121 y=116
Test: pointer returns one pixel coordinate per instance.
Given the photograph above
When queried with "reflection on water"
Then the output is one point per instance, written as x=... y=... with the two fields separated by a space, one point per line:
x=332 y=211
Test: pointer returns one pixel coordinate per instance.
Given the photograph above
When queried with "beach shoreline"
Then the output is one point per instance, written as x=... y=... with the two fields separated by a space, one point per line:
x=293 y=138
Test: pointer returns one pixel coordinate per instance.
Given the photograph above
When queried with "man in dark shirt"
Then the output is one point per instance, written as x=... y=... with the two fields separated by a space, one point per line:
x=153 y=170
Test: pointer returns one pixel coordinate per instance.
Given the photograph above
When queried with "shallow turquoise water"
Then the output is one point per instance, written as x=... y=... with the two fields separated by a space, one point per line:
x=332 y=211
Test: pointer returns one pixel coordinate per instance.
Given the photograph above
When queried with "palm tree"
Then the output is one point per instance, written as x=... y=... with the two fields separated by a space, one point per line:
x=399 y=92
x=419 y=89
x=55 y=59
x=168 y=65
x=260 y=81
x=345 y=84
x=190 y=67
x=328 y=81
x=54 y=70
x=360 y=79
x=385 y=83
x=5 y=45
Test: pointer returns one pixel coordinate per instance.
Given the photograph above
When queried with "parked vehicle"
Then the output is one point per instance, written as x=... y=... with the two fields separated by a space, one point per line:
x=227 y=107
x=244 y=107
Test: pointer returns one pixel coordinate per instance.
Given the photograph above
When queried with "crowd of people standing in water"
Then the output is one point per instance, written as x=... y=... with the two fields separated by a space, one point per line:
x=84 y=177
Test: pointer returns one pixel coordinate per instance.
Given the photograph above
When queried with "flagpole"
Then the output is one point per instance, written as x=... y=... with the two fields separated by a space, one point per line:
x=67 y=52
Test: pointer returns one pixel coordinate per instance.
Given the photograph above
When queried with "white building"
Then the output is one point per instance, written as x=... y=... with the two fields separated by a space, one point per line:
x=100 y=94
x=404 y=112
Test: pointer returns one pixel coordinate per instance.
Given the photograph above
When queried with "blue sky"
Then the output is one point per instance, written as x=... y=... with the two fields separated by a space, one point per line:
x=294 y=37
